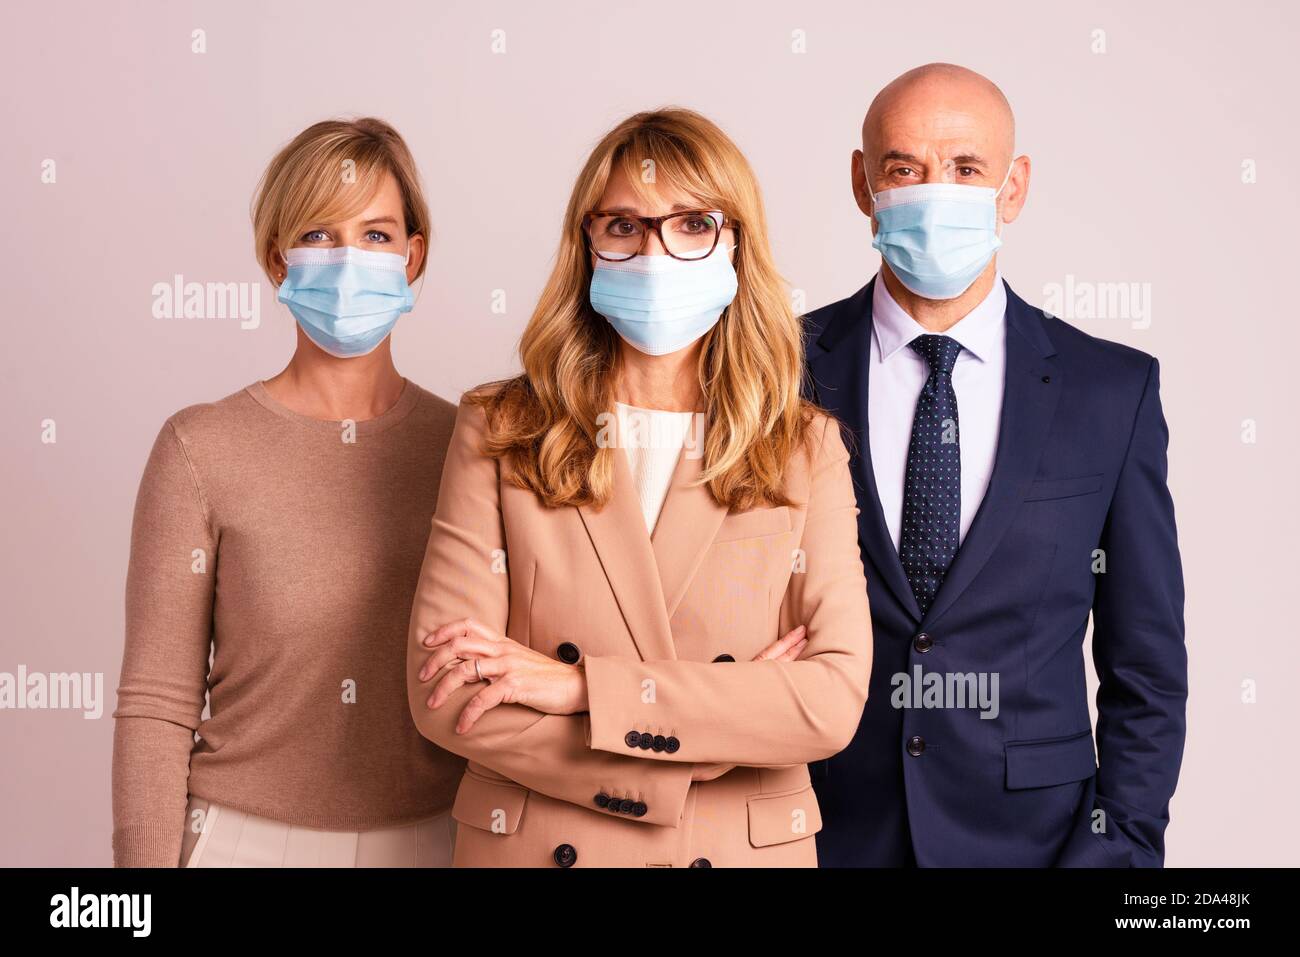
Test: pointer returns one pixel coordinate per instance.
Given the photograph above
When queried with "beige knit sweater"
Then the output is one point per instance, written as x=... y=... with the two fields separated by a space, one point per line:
x=288 y=549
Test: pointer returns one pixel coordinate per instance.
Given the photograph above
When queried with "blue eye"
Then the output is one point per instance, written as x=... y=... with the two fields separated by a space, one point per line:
x=316 y=236
x=375 y=236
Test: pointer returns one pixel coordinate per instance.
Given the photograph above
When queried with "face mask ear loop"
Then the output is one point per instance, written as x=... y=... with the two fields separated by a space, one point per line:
x=1006 y=179
x=284 y=260
x=418 y=292
x=866 y=178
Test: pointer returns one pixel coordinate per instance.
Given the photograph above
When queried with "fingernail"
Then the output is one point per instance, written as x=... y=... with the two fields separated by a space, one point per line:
x=428 y=641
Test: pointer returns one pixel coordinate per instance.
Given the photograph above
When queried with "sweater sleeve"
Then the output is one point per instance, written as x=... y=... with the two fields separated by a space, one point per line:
x=160 y=698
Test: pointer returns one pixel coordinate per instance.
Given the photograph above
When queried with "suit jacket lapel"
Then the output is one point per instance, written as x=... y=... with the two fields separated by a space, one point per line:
x=841 y=376
x=1033 y=385
x=687 y=525
x=618 y=534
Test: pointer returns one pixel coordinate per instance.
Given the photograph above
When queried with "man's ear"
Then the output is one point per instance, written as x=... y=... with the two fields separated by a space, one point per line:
x=1016 y=191
x=858 y=178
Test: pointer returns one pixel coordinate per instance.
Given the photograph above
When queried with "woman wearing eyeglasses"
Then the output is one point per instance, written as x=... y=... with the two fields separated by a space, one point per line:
x=642 y=609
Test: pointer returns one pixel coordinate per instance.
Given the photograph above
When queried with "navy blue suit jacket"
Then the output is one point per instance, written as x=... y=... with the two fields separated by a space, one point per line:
x=1077 y=520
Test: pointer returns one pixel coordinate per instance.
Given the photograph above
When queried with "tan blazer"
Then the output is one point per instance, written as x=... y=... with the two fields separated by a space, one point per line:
x=691 y=754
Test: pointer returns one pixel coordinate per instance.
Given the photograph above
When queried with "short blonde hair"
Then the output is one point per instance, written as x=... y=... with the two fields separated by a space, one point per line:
x=326 y=175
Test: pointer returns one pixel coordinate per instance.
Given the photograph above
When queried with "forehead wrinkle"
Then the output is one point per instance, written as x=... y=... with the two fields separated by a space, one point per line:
x=937 y=103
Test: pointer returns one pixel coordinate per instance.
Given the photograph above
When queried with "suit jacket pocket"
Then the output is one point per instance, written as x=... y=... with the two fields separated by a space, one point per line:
x=493 y=805
x=1039 y=764
x=754 y=524
x=1044 y=489
x=784 y=816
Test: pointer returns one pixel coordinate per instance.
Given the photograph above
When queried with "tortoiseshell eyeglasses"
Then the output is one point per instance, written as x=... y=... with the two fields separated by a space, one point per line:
x=690 y=234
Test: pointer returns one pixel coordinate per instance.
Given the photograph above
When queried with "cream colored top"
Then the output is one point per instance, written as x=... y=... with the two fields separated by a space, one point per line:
x=653 y=440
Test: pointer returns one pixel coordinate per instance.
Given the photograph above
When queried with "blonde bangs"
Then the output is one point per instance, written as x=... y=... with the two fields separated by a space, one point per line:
x=329 y=173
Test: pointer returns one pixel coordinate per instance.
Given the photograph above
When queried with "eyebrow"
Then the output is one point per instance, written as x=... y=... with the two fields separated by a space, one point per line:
x=965 y=159
x=899 y=155
x=381 y=219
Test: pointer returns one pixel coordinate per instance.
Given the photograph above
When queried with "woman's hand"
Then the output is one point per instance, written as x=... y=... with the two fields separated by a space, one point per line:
x=512 y=673
x=786 y=648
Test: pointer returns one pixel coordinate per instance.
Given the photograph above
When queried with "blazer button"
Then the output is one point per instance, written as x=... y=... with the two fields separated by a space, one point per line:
x=645 y=741
x=632 y=739
x=625 y=806
x=602 y=799
x=671 y=745
x=922 y=642
x=701 y=862
x=569 y=653
x=659 y=742
x=915 y=745
x=566 y=855
x=715 y=661
x=639 y=809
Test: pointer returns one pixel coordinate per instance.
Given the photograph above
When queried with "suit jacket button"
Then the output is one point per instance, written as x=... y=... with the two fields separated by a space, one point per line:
x=639 y=809
x=632 y=739
x=671 y=745
x=701 y=862
x=922 y=642
x=715 y=661
x=915 y=745
x=659 y=742
x=569 y=653
x=602 y=799
x=566 y=855
x=625 y=806
x=645 y=741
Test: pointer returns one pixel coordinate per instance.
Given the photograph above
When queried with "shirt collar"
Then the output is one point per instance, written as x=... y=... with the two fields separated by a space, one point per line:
x=978 y=331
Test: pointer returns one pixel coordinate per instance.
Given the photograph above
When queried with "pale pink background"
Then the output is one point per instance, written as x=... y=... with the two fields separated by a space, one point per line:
x=1137 y=156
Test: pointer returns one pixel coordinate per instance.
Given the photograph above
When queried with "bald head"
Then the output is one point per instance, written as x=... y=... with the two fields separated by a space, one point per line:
x=938 y=123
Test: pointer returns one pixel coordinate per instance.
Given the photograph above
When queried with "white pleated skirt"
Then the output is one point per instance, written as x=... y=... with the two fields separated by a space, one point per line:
x=220 y=836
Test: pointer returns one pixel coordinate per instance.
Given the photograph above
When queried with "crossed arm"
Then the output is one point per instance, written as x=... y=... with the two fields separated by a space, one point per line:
x=560 y=729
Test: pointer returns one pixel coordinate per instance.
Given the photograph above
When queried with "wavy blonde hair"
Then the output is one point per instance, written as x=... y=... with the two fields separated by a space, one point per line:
x=545 y=421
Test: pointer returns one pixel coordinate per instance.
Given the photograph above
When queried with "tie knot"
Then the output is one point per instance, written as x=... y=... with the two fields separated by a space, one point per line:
x=939 y=352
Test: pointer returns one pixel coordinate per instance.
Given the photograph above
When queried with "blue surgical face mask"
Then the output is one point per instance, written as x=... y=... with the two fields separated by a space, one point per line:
x=659 y=304
x=937 y=237
x=346 y=299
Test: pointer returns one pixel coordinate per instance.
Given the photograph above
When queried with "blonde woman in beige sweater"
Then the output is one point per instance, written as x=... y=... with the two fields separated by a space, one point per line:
x=275 y=550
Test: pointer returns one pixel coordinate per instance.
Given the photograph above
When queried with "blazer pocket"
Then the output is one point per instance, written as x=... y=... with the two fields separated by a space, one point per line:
x=1044 y=489
x=1040 y=764
x=783 y=817
x=496 y=806
x=755 y=523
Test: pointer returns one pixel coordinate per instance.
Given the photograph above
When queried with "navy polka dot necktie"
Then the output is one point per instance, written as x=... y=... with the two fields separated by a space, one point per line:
x=932 y=490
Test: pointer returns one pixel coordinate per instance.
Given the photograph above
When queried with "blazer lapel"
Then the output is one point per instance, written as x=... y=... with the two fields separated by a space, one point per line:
x=1033 y=385
x=686 y=528
x=841 y=376
x=618 y=534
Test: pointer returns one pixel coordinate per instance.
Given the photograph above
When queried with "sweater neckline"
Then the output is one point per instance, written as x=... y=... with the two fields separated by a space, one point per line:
x=399 y=410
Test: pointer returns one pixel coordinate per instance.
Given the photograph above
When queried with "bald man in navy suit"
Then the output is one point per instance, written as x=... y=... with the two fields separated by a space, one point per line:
x=1011 y=475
